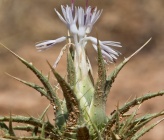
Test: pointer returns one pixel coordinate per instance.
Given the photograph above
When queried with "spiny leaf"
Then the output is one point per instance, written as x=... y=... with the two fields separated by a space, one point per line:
x=27 y=128
x=72 y=103
x=11 y=131
x=129 y=105
x=35 y=131
x=139 y=125
x=97 y=107
x=113 y=75
x=95 y=132
x=22 y=119
x=72 y=51
x=50 y=129
x=32 y=85
x=139 y=100
x=101 y=74
x=4 y=127
x=148 y=116
x=126 y=123
x=115 y=136
x=43 y=130
x=27 y=120
x=44 y=112
x=117 y=127
x=145 y=130
x=54 y=99
x=71 y=70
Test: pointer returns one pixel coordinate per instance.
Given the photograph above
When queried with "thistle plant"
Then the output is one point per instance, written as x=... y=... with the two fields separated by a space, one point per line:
x=81 y=114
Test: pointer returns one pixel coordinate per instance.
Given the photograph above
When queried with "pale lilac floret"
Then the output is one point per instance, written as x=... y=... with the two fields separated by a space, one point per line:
x=106 y=56
x=69 y=18
x=81 y=21
x=49 y=43
x=105 y=46
x=92 y=20
x=86 y=19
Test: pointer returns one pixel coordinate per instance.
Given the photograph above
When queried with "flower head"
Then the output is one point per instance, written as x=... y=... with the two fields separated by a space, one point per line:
x=79 y=22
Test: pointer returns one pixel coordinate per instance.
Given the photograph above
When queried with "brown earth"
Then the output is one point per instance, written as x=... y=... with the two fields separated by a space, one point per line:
x=22 y=23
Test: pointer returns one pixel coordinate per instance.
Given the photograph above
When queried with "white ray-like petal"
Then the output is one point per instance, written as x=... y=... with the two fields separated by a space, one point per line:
x=103 y=45
x=112 y=43
x=80 y=14
x=64 y=12
x=106 y=50
x=98 y=14
x=81 y=22
x=106 y=55
x=69 y=18
x=88 y=15
x=49 y=43
x=61 y=18
x=75 y=18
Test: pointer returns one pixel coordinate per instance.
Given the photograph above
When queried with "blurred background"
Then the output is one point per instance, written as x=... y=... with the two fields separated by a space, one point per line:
x=23 y=23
